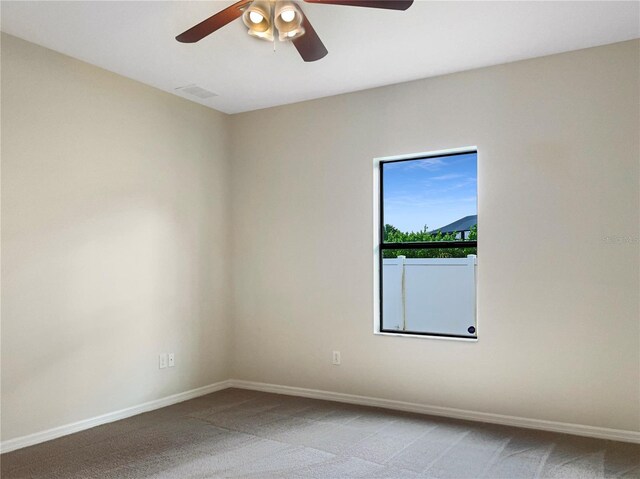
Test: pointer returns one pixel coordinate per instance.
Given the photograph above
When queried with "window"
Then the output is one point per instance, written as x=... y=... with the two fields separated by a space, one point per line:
x=427 y=231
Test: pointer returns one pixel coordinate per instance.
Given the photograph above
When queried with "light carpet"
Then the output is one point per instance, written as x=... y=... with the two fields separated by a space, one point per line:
x=239 y=433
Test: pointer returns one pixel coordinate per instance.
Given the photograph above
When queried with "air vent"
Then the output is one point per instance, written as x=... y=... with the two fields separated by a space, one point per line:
x=195 y=90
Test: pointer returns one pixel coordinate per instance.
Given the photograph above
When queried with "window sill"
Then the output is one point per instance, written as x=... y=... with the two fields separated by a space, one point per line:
x=425 y=336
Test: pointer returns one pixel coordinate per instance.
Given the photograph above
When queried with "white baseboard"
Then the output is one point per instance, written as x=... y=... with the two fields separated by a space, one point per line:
x=562 y=427
x=56 y=432
x=576 y=429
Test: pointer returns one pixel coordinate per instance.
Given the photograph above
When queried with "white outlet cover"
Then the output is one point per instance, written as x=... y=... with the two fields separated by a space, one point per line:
x=172 y=360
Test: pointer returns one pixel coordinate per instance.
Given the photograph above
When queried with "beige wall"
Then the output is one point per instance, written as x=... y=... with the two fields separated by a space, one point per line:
x=117 y=200
x=558 y=305
x=114 y=212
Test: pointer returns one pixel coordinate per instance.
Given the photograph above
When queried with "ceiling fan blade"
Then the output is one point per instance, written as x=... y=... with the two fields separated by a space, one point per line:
x=309 y=45
x=213 y=23
x=386 y=4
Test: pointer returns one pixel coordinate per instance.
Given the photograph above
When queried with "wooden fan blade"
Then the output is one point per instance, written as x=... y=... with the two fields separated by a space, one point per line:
x=386 y=4
x=213 y=23
x=309 y=45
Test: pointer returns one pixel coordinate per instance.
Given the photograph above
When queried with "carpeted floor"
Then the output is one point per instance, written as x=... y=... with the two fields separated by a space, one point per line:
x=237 y=433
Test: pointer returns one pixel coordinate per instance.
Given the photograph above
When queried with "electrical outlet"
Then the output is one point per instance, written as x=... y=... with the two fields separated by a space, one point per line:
x=336 y=358
x=172 y=360
x=162 y=360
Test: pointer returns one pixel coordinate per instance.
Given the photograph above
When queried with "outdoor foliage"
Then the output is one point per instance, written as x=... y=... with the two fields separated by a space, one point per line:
x=394 y=235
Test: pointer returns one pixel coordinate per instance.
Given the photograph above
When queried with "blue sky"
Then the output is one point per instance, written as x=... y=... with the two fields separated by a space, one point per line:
x=433 y=191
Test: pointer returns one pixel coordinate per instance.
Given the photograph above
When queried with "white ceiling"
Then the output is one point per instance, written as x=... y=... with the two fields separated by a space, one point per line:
x=367 y=47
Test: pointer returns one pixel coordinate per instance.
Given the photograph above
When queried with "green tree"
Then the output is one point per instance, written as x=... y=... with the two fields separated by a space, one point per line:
x=394 y=235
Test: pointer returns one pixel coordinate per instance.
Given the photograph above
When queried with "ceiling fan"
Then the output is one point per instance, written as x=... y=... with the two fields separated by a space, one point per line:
x=264 y=18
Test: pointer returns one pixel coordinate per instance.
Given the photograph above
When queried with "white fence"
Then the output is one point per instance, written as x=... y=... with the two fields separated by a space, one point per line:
x=435 y=295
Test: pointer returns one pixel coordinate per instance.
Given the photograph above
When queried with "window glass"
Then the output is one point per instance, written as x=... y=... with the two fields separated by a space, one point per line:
x=428 y=240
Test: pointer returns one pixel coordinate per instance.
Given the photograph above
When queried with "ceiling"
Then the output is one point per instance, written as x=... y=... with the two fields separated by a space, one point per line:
x=367 y=47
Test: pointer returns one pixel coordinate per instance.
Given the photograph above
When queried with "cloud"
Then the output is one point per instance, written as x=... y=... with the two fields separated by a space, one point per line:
x=424 y=202
x=423 y=164
x=450 y=176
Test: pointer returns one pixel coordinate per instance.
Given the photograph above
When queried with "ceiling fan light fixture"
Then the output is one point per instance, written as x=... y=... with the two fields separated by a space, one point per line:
x=288 y=15
x=292 y=35
x=257 y=18
x=288 y=20
x=266 y=35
